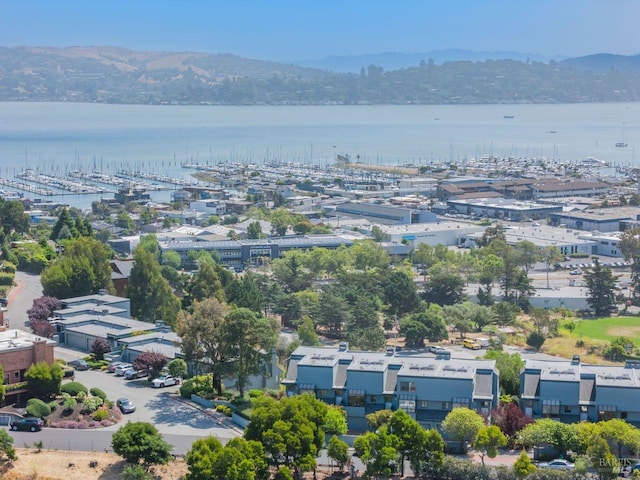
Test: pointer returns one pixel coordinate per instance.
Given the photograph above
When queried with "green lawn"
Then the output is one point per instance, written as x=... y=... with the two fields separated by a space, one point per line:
x=609 y=328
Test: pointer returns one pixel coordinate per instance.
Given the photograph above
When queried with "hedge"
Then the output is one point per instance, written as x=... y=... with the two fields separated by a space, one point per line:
x=96 y=392
x=73 y=388
x=37 y=408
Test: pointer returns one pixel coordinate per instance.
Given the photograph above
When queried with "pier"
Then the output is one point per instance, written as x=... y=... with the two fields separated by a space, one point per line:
x=69 y=186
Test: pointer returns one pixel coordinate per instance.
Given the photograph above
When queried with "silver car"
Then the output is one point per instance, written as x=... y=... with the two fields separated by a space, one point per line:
x=126 y=405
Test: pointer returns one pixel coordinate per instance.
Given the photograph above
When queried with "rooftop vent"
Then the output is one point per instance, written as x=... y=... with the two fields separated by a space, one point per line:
x=343 y=347
x=391 y=351
x=575 y=360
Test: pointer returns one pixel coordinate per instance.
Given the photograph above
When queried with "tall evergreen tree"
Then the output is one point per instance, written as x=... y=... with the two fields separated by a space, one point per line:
x=601 y=284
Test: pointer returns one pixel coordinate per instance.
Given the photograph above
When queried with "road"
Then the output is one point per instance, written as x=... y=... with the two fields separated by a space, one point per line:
x=180 y=422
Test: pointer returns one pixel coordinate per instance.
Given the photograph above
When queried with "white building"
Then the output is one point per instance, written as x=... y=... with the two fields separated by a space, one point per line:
x=211 y=207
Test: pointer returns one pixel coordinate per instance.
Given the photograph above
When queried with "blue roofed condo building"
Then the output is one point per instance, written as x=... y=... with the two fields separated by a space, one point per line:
x=571 y=391
x=425 y=385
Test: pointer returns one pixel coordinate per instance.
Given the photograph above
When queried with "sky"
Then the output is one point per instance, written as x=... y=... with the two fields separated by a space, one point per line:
x=296 y=30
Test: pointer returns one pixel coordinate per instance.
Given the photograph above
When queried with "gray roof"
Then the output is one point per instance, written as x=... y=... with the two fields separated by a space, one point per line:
x=483 y=386
x=292 y=371
x=531 y=385
x=587 y=390
x=391 y=381
x=340 y=379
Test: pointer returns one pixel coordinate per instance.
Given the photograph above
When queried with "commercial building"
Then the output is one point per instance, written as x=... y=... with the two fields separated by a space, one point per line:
x=503 y=208
x=611 y=219
x=438 y=233
x=18 y=351
x=424 y=385
x=571 y=391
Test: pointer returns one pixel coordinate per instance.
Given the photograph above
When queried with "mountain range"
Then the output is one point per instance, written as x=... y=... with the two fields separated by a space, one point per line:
x=119 y=75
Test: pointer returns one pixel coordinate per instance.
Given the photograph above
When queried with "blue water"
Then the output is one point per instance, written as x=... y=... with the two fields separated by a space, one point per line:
x=59 y=137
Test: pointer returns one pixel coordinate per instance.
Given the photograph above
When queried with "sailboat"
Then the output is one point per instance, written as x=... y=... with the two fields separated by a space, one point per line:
x=623 y=143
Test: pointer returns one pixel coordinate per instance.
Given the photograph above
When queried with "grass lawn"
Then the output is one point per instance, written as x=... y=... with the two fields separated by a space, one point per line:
x=608 y=328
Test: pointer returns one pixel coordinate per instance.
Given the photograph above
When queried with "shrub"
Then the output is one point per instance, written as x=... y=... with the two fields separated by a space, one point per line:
x=74 y=388
x=200 y=385
x=53 y=405
x=255 y=393
x=100 y=415
x=37 y=408
x=81 y=396
x=535 y=340
x=6 y=279
x=70 y=403
x=135 y=472
x=91 y=404
x=580 y=343
x=96 y=392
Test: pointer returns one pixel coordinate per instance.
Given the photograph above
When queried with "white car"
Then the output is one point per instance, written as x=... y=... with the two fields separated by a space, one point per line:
x=164 y=381
x=120 y=369
x=557 y=464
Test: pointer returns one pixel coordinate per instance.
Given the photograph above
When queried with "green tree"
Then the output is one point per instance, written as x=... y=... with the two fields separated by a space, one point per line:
x=444 y=287
x=546 y=431
x=237 y=460
x=463 y=425
x=629 y=245
x=379 y=452
x=550 y=255
x=12 y=218
x=370 y=339
x=281 y=218
x=172 y=259
x=378 y=235
x=141 y=441
x=602 y=460
x=527 y=253
x=523 y=466
x=307 y=333
x=44 y=380
x=2 y=386
x=248 y=340
x=601 y=284
x=291 y=272
x=336 y=421
x=488 y=440
x=426 y=324
x=535 y=340
x=177 y=368
x=504 y=313
x=367 y=255
x=290 y=430
x=399 y=292
x=338 y=451
x=64 y=220
x=151 y=296
x=206 y=284
x=509 y=366
x=6 y=445
x=201 y=334
x=254 y=230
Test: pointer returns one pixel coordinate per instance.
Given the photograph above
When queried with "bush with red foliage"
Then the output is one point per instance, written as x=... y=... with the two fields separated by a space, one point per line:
x=510 y=419
x=43 y=308
x=153 y=362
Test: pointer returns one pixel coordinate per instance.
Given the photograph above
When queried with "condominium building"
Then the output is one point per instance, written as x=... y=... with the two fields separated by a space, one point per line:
x=425 y=385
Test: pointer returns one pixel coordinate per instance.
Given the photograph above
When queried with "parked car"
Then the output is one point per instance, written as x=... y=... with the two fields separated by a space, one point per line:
x=471 y=344
x=133 y=373
x=125 y=405
x=557 y=464
x=576 y=272
x=112 y=366
x=3 y=302
x=30 y=424
x=438 y=350
x=164 y=381
x=79 y=364
x=120 y=369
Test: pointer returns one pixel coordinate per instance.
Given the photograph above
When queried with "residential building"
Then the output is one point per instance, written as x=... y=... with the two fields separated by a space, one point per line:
x=571 y=391
x=424 y=385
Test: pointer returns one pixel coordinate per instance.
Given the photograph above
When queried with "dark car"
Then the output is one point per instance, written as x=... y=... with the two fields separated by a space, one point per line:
x=126 y=405
x=79 y=364
x=3 y=302
x=30 y=424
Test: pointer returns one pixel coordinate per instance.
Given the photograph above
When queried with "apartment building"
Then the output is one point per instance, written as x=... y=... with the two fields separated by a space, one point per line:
x=425 y=385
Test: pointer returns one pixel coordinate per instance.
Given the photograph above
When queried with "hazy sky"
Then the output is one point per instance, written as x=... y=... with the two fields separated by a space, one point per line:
x=289 y=30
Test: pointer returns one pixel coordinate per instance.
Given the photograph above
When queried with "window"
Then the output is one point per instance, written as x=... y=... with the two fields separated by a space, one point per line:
x=5 y=380
x=424 y=404
x=460 y=402
x=551 y=408
x=323 y=393
x=528 y=403
x=16 y=374
x=445 y=405
x=623 y=415
x=307 y=388
x=356 y=398
x=567 y=409
x=407 y=386
x=606 y=412
x=373 y=398
x=583 y=409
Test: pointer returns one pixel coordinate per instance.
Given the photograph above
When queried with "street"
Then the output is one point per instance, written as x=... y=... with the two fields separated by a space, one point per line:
x=180 y=422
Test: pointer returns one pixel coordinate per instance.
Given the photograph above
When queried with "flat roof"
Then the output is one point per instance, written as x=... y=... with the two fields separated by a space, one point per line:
x=441 y=226
x=544 y=235
x=602 y=214
x=506 y=203
x=16 y=339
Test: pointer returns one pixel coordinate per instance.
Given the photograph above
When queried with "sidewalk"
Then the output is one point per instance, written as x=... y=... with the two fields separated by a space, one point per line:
x=218 y=417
